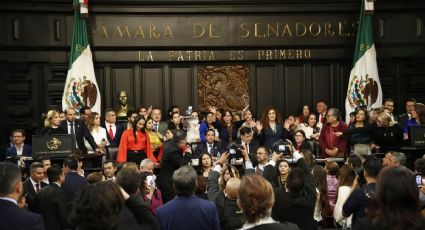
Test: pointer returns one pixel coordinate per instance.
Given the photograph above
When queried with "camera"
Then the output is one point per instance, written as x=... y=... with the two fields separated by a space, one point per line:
x=280 y=147
x=233 y=150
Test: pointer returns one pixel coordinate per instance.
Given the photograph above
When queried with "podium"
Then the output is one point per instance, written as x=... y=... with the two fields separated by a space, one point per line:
x=53 y=146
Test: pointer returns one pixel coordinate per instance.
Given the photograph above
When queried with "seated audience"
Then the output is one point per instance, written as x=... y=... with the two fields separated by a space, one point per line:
x=209 y=145
x=11 y=192
x=256 y=199
x=187 y=211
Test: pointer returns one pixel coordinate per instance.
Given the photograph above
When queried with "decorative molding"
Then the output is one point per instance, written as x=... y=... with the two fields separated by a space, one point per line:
x=225 y=87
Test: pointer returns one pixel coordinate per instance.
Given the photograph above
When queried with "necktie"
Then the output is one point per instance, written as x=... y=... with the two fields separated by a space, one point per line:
x=72 y=127
x=210 y=147
x=246 y=146
x=258 y=171
x=37 y=187
x=111 y=133
x=155 y=127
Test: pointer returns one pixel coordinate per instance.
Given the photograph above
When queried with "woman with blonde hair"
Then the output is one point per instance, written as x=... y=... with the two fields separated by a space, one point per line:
x=51 y=124
x=98 y=133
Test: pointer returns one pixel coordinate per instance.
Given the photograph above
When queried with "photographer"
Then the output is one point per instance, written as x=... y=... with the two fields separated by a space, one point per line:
x=360 y=197
x=295 y=202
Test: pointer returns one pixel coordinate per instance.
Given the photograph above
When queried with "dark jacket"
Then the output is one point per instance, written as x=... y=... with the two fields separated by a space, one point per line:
x=51 y=203
x=118 y=133
x=81 y=132
x=172 y=159
x=11 y=153
x=267 y=137
x=73 y=183
x=188 y=213
x=30 y=193
x=275 y=226
x=203 y=148
x=13 y=217
x=231 y=216
x=297 y=208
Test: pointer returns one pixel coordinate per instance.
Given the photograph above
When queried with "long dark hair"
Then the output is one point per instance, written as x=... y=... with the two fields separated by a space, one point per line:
x=200 y=166
x=278 y=181
x=134 y=124
x=265 y=117
x=98 y=206
x=171 y=124
x=396 y=205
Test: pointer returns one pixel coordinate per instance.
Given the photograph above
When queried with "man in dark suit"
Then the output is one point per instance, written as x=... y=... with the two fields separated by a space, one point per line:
x=52 y=201
x=209 y=146
x=75 y=126
x=19 y=148
x=112 y=128
x=34 y=184
x=410 y=105
x=172 y=159
x=158 y=125
x=11 y=191
x=187 y=211
x=246 y=139
x=321 y=109
x=73 y=181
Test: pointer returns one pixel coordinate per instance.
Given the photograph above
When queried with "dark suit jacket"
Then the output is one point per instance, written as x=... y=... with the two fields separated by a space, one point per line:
x=172 y=159
x=11 y=153
x=14 y=218
x=188 y=213
x=203 y=148
x=81 y=131
x=73 y=183
x=118 y=133
x=52 y=205
x=163 y=127
x=253 y=146
x=30 y=193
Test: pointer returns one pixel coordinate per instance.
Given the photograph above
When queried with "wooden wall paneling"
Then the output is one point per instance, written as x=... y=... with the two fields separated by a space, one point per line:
x=415 y=80
x=99 y=72
x=54 y=78
x=294 y=87
x=181 y=82
x=253 y=98
x=387 y=75
x=343 y=70
x=267 y=89
x=152 y=86
x=323 y=83
x=122 y=79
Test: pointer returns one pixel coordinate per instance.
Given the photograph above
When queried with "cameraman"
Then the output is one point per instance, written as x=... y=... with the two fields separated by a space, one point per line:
x=360 y=197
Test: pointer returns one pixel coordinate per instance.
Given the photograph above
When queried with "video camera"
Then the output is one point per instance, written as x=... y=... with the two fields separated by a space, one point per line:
x=282 y=147
x=233 y=150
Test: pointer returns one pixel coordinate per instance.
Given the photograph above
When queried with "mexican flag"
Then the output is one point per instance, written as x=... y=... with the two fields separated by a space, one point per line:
x=364 y=89
x=81 y=88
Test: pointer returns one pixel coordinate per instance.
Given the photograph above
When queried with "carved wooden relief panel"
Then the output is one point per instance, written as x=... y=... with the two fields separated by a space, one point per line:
x=225 y=87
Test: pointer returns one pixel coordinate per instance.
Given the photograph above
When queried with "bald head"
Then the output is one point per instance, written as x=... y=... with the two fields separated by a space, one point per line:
x=232 y=188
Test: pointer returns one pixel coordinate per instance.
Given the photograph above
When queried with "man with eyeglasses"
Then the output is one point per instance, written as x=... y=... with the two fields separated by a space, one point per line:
x=331 y=144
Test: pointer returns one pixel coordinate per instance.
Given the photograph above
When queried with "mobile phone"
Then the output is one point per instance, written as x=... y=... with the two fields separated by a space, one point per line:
x=419 y=181
x=149 y=180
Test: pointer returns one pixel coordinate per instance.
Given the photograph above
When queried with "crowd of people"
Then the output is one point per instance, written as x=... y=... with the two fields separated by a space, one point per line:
x=220 y=170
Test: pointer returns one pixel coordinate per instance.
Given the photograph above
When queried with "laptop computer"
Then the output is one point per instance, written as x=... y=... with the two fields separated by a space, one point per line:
x=417 y=136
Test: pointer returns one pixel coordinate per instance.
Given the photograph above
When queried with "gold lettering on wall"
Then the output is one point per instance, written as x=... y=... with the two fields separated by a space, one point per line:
x=244 y=30
x=300 y=26
x=285 y=54
x=145 y=56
